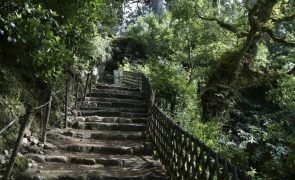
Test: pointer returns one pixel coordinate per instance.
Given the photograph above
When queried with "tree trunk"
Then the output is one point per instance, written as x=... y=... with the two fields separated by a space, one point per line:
x=219 y=89
x=24 y=125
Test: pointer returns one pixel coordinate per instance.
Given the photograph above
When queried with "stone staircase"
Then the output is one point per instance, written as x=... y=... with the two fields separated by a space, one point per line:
x=108 y=141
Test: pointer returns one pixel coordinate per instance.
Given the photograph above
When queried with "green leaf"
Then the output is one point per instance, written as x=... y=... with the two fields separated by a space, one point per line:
x=57 y=38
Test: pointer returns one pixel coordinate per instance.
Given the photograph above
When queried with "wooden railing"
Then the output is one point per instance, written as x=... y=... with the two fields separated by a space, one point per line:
x=184 y=156
x=130 y=79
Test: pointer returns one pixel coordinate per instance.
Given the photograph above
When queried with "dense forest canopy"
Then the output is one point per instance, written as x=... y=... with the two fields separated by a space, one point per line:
x=223 y=69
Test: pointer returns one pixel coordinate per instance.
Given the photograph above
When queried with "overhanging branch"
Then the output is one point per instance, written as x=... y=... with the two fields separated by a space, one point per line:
x=277 y=39
x=224 y=25
x=284 y=19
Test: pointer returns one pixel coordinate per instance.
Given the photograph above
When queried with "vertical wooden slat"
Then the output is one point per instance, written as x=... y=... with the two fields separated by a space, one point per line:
x=86 y=86
x=76 y=95
x=66 y=104
x=90 y=83
x=47 y=116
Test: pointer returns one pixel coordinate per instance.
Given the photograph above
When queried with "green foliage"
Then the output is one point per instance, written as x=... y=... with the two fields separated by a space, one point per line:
x=21 y=164
x=35 y=29
x=43 y=43
x=284 y=94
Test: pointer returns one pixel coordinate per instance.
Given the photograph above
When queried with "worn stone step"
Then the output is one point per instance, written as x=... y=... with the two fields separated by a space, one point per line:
x=110 y=119
x=115 y=126
x=114 y=104
x=117 y=109
x=113 y=100
x=110 y=126
x=108 y=113
x=73 y=144
x=113 y=95
x=104 y=86
x=130 y=161
x=116 y=91
x=48 y=171
x=98 y=135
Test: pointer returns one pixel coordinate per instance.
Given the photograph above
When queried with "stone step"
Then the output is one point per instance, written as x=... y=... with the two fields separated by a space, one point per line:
x=103 y=86
x=116 y=91
x=111 y=95
x=110 y=119
x=115 y=126
x=107 y=113
x=114 y=104
x=51 y=170
x=110 y=126
x=72 y=144
x=129 y=161
x=111 y=109
x=98 y=135
x=114 y=100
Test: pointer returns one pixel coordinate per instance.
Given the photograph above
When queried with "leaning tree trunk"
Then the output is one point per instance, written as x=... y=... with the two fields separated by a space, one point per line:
x=220 y=90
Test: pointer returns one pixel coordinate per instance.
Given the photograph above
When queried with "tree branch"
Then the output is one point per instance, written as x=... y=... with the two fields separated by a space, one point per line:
x=283 y=19
x=224 y=25
x=277 y=39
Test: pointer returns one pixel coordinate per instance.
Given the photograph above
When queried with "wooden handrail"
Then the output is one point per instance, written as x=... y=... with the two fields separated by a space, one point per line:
x=184 y=156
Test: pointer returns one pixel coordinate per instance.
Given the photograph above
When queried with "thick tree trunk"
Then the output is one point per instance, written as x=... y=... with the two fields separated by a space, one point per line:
x=220 y=91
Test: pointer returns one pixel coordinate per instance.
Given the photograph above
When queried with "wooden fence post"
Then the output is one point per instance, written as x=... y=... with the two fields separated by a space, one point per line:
x=90 y=83
x=66 y=104
x=46 y=119
x=76 y=95
x=25 y=123
x=86 y=86
x=43 y=110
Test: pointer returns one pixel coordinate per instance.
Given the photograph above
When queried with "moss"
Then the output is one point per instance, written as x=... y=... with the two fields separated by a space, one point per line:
x=226 y=69
x=21 y=164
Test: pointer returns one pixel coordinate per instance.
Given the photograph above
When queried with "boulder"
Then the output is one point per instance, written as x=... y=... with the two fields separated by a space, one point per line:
x=6 y=152
x=33 y=140
x=28 y=133
x=25 y=141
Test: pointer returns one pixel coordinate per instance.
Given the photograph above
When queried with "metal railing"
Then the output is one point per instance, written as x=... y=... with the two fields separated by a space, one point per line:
x=184 y=156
